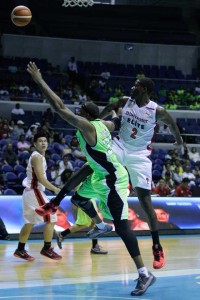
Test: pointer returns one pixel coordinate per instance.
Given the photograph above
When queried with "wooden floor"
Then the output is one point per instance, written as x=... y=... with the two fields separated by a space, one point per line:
x=80 y=275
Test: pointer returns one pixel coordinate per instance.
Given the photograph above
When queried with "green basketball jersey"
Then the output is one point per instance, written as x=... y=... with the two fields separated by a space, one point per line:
x=101 y=157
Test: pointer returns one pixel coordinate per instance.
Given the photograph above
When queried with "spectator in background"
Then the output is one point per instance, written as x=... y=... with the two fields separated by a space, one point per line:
x=168 y=180
x=56 y=174
x=177 y=165
x=22 y=144
x=167 y=168
x=48 y=115
x=188 y=174
x=162 y=189
x=72 y=69
x=5 y=131
x=163 y=219
x=194 y=154
x=135 y=222
x=17 y=131
x=17 y=110
x=196 y=171
x=183 y=189
x=49 y=161
x=65 y=164
x=74 y=143
x=30 y=133
x=177 y=178
x=9 y=156
x=78 y=154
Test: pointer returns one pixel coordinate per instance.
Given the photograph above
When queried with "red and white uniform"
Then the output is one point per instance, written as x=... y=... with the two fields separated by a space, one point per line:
x=132 y=148
x=34 y=195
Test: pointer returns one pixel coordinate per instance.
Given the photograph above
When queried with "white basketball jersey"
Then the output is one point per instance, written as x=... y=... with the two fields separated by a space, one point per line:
x=31 y=180
x=137 y=125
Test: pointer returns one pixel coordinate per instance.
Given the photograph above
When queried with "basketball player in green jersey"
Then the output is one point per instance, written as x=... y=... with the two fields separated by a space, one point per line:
x=109 y=179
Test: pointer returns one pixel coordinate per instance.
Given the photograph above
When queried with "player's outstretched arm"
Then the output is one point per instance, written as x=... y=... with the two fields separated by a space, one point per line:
x=163 y=116
x=58 y=105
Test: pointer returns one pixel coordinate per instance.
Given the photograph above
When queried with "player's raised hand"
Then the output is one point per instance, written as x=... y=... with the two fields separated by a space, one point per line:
x=34 y=72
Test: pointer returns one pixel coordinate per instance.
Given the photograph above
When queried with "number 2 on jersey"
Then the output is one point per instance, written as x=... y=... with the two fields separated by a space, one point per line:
x=133 y=135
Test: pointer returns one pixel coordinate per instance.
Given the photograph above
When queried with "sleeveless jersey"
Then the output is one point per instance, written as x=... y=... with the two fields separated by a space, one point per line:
x=101 y=157
x=31 y=180
x=137 y=125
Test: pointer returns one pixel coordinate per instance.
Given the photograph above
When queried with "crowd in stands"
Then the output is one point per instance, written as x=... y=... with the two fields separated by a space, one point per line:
x=102 y=82
x=173 y=173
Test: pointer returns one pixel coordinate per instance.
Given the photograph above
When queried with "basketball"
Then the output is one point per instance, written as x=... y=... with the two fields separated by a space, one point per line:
x=21 y=16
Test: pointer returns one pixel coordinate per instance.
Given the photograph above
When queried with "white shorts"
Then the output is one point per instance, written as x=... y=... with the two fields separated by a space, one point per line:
x=138 y=165
x=32 y=199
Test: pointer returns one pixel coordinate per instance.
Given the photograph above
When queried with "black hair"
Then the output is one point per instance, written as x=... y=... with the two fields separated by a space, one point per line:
x=39 y=135
x=92 y=109
x=148 y=83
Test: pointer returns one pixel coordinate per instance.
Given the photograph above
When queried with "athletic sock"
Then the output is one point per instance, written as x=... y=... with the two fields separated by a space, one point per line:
x=100 y=225
x=94 y=243
x=143 y=271
x=21 y=246
x=47 y=245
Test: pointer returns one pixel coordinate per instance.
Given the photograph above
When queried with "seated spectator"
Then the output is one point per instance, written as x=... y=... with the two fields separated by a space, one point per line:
x=30 y=133
x=168 y=180
x=17 y=131
x=5 y=131
x=22 y=144
x=177 y=178
x=74 y=143
x=48 y=115
x=194 y=154
x=162 y=189
x=17 y=110
x=196 y=171
x=177 y=165
x=77 y=153
x=9 y=156
x=56 y=174
x=65 y=176
x=64 y=147
x=188 y=174
x=49 y=161
x=183 y=189
x=167 y=168
x=65 y=164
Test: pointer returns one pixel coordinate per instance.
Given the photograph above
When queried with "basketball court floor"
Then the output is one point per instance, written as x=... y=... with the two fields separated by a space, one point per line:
x=81 y=275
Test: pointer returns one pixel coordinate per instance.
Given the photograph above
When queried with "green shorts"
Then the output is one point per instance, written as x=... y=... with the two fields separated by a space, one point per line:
x=111 y=193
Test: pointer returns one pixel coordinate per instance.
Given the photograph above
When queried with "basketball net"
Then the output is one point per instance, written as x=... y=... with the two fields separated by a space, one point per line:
x=80 y=3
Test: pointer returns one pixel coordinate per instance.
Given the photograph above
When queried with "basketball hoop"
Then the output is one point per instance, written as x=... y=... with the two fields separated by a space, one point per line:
x=80 y=3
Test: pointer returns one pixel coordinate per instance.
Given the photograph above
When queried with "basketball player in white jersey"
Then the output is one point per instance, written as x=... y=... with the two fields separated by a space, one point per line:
x=33 y=195
x=132 y=148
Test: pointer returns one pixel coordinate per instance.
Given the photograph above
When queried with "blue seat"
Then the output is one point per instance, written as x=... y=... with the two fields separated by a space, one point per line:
x=19 y=169
x=9 y=192
x=56 y=157
x=157 y=167
x=11 y=176
x=21 y=176
x=6 y=168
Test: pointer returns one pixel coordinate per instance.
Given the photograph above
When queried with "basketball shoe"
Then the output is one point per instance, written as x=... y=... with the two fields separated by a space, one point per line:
x=46 y=209
x=50 y=253
x=98 y=250
x=96 y=232
x=23 y=254
x=143 y=283
x=159 y=259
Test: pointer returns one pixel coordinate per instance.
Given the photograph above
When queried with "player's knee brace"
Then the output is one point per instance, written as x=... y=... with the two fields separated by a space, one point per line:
x=85 y=204
x=122 y=228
